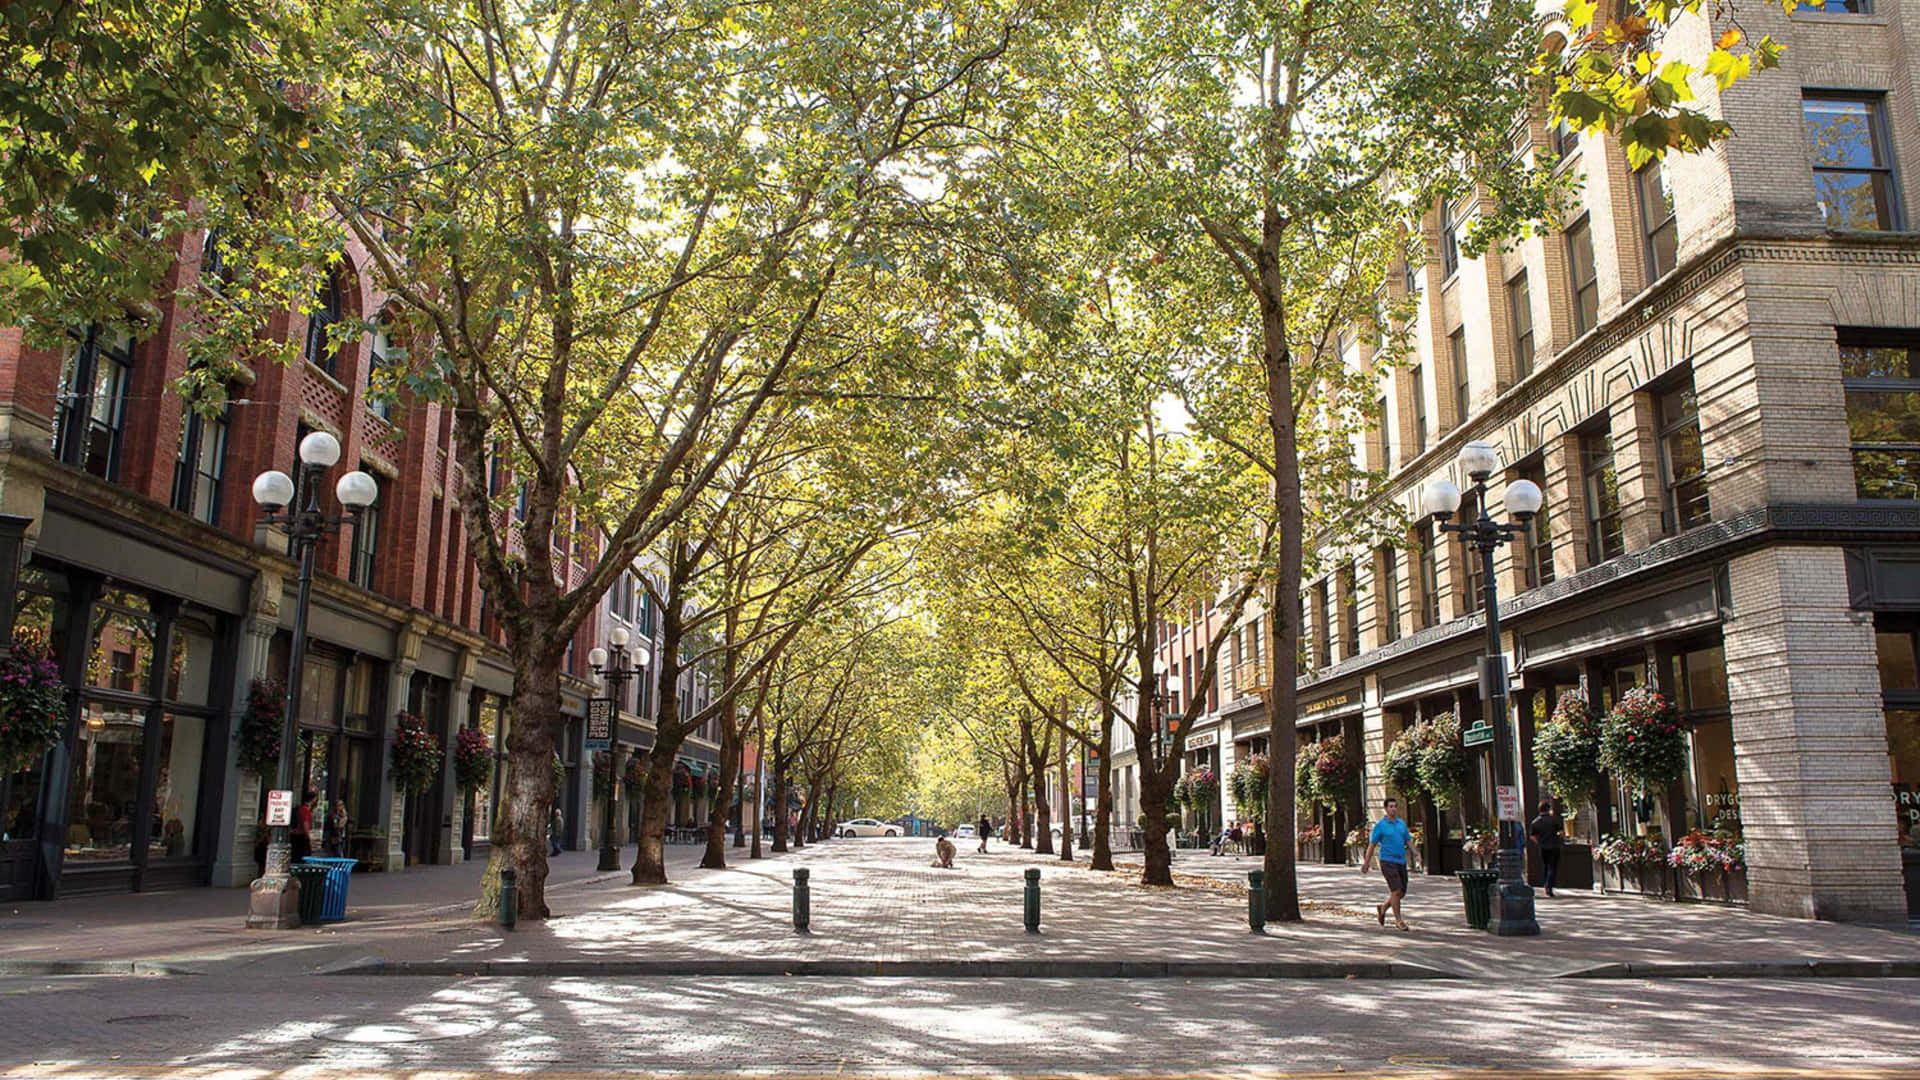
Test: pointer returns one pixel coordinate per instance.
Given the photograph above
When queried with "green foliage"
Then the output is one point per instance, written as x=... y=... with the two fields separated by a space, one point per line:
x=1336 y=774
x=1641 y=740
x=1566 y=749
x=1443 y=761
x=261 y=726
x=1403 y=764
x=417 y=754
x=33 y=704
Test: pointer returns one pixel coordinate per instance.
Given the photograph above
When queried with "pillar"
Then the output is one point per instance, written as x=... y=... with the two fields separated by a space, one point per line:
x=239 y=800
x=393 y=808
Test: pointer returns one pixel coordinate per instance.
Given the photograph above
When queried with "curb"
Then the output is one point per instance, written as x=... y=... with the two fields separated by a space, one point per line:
x=94 y=967
x=904 y=969
x=1757 y=969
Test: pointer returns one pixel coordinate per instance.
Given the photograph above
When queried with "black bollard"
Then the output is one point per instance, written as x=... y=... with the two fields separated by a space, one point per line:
x=509 y=897
x=1257 y=901
x=802 y=901
x=1033 y=901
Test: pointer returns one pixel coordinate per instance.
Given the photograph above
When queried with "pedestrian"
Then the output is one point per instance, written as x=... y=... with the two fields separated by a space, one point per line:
x=943 y=851
x=1389 y=841
x=301 y=832
x=333 y=836
x=1220 y=842
x=985 y=829
x=1545 y=830
x=556 y=824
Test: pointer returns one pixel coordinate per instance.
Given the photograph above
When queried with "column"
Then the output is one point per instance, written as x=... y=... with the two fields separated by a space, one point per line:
x=1636 y=465
x=393 y=808
x=458 y=710
x=239 y=800
x=1810 y=741
x=1373 y=747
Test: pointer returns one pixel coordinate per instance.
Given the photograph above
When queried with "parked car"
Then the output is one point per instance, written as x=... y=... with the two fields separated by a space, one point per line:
x=866 y=826
x=964 y=832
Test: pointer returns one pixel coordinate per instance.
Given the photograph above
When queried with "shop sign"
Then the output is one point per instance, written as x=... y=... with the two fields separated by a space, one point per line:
x=1508 y=797
x=1201 y=742
x=599 y=724
x=1479 y=734
x=1315 y=708
x=280 y=807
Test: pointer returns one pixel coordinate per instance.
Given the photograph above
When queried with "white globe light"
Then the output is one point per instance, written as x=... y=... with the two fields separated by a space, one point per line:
x=320 y=450
x=641 y=657
x=1479 y=459
x=597 y=657
x=357 y=490
x=273 y=489
x=1524 y=499
x=1441 y=498
x=619 y=637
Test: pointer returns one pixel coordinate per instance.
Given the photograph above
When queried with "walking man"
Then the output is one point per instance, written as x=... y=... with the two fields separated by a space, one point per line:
x=1545 y=830
x=1389 y=840
x=984 y=828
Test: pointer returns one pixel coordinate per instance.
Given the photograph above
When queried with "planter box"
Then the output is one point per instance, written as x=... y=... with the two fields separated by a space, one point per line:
x=1716 y=887
x=1635 y=880
x=1310 y=852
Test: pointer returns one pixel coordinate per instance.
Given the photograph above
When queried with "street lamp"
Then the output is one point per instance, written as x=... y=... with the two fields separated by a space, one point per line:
x=294 y=502
x=614 y=669
x=1513 y=907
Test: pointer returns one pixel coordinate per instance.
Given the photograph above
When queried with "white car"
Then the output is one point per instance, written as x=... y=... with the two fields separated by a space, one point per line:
x=866 y=826
x=964 y=832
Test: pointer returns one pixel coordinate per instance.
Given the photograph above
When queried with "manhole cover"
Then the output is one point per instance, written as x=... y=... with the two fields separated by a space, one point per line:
x=148 y=1018
x=391 y=1034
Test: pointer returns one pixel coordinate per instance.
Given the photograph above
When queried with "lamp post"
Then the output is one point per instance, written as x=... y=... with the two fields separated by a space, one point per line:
x=615 y=669
x=1169 y=685
x=294 y=502
x=1513 y=914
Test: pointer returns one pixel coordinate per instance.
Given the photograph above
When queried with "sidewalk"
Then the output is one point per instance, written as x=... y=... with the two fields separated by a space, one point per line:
x=879 y=909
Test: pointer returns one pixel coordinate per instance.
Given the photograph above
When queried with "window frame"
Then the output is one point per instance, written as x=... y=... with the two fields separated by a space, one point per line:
x=1449 y=240
x=1657 y=236
x=1603 y=543
x=78 y=408
x=319 y=350
x=1427 y=548
x=1420 y=432
x=1883 y=169
x=1462 y=380
x=1537 y=568
x=1856 y=386
x=1388 y=607
x=191 y=483
x=363 y=555
x=1473 y=583
x=379 y=346
x=1584 y=295
x=1672 y=521
x=1520 y=323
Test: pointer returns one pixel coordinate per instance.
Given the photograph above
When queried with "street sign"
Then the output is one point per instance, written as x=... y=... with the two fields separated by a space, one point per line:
x=279 y=808
x=1477 y=735
x=1509 y=799
x=599 y=724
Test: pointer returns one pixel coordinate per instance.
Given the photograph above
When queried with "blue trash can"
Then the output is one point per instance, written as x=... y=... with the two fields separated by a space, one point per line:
x=339 y=872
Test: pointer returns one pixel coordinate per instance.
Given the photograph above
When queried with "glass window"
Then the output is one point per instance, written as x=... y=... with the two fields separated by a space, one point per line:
x=1326 y=633
x=1852 y=165
x=1449 y=239
x=1898 y=667
x=1419 y=409
x=1539 y=543
x=1416 y=272
x=1655 y=193
x=1883 y=413
x=1429 y=578
x=176 y=796
x=1520 y=316
x=329 y=309
x=366 y=540
x=1682 y=460
x=190 y=666
x=202 y=461
x=357 y=703
x=1388 y=600
x=1472 y=580
x=1604 y=539
x=1381 y=425
x=1716 y=786
x=320 y=693
x=1838 y=7
x=120 y=655
x=1903 y=753
x=1565 y=141
x=1462 y=388
x=103 y=785
x=381 y=356
x=1350 y=609
x=93 y=400
x=1583 y=277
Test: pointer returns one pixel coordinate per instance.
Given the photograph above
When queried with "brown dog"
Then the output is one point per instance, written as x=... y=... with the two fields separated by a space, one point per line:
x=943 y=853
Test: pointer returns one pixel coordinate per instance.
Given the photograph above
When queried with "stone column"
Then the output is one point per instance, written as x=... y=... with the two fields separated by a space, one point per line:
x=233 y=863
x=1373 y=746
x=1810 y=741
x=393 y=808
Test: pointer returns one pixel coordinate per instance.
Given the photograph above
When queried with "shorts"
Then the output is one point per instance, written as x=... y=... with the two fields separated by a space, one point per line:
x=1396 y=875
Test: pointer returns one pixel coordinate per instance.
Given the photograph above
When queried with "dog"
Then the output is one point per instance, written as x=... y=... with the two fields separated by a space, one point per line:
x=943 y=850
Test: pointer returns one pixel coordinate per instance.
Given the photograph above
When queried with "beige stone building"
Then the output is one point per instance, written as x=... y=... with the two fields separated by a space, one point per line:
x=1712 y=368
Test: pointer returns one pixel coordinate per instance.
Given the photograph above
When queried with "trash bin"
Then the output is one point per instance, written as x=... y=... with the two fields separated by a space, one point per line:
x=339 y=873
x=1476 y=888
x=313 y=890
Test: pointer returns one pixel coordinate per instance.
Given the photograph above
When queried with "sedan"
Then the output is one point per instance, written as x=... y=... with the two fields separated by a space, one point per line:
x=964 y=832
x=866 y=827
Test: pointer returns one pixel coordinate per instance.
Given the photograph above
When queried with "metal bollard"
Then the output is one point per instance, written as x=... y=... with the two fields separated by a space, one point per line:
x=1257 y=901
x=1033 y=901
x=802 y=901
x=509 y=897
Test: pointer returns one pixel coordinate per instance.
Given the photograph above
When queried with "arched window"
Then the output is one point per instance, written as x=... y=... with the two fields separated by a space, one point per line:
x=321 y=352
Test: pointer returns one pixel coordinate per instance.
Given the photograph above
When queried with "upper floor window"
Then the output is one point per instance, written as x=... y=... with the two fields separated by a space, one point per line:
x=202 y=461
x=1388 y=587
x=1656 y=219
x=381 y=356
x=1520 y=316
x=1350 y=612
x=1682 y=460
x=1539 y=543
x=1416 y=273
x=93 y=400
x=1473 y=580
x=1327 y=633
x=1429 y=576
x=1604 y=537
x=1419 y=410
x=1838 y=7
x=1386 y=434
x=366 y=541
x=1881 y=373
x=1462 y=389
x=330 y=308
x=1564 y=141
x=1852 y=164
x=1583 y=276
x=1449 y=239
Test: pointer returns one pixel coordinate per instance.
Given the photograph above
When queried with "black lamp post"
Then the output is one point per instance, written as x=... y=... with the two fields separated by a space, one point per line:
x=273 y=903
x=1513 y=914
x=615 y=669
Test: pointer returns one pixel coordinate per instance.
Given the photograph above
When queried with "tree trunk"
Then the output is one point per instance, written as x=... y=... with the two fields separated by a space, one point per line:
x=716 y=856
x=1066 y=794
x=1042 y=815
x=520 y=827
x=1282 y=888
x=1103 y=802
x=759 y=779
x=1154 y=785
x=650 y=864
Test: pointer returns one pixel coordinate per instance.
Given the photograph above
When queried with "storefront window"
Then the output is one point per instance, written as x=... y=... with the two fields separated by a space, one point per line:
x=103 y=791
x=1903 y=753
x=177 y=793
x=1716 y=788
x=489 y=724
x=121 y=654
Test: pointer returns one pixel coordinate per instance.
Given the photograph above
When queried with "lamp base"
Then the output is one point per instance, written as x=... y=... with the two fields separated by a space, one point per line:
x=1512 y=899
x=273 y=901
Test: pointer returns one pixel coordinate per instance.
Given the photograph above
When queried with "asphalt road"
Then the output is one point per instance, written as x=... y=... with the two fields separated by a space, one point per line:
x=227 y=1025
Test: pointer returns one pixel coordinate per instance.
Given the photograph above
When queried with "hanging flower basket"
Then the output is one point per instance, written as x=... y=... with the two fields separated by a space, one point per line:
x=33 y=705
x=1203 y=787
x=1403 y=764
x=1642 y=742
x=1336 y=775
x=1443 y=762
x=635 y=773
x=1250 y=779
x=1303 y=790
x=559 y=774
x=472 y=759
x=602 y=774
x=699 y=784
x=417 y=755
x=1567 y=750
x=1183 y=790
x=682 y=779
x=260 y=726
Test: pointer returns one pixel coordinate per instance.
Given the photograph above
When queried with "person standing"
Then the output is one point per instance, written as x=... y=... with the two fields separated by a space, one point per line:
x=984 y=827
x=1389 y=841
x=1546 y=831
x=556 y=825
x=300 y=833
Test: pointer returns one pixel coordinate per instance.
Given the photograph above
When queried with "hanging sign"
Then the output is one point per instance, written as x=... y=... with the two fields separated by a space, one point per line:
x=1508 y=797
x=280 y=807
x=599 y=724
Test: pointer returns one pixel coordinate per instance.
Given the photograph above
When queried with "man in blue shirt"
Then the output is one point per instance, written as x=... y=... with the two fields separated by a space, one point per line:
x=1389 y=840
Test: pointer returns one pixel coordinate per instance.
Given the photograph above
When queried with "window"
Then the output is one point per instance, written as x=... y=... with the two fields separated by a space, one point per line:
x=366 y=541
x=1449 y=240
x=330 y=308
x=1472 y=580
x=1419 y=410
x=203 y=456
x=1386 y=434
x=1564 y=140
x=1604 y=539
x=1881 y=374
x=1389 y=594
x=1838 y=7
x=1350 y=609
x=381 y=356
x=1539 y=563
x=1416 y=272
x=1852 y=168
x=1655 y=192
x=1325 y=634
x=1429 y=578
x=1462 y=389
x=1520 y=319
x=1682 y=461
x=1585 y=280
x=93 y=400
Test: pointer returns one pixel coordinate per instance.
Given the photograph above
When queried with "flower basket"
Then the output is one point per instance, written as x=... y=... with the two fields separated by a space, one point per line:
x=1336 y=775
x=1303 y=791
x=1250 y=779
x=1481 y=845
x=417 y=756
x=1203 y=787
x=1443 y=762
x=1402 y=766
x=1712 y=866
x=559 y=775
x=602 y=774
x=1183 y=790
x=260 y=726
x=1567 y=750
x=1641 y=741
x=472 y=759
x=635 y=773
